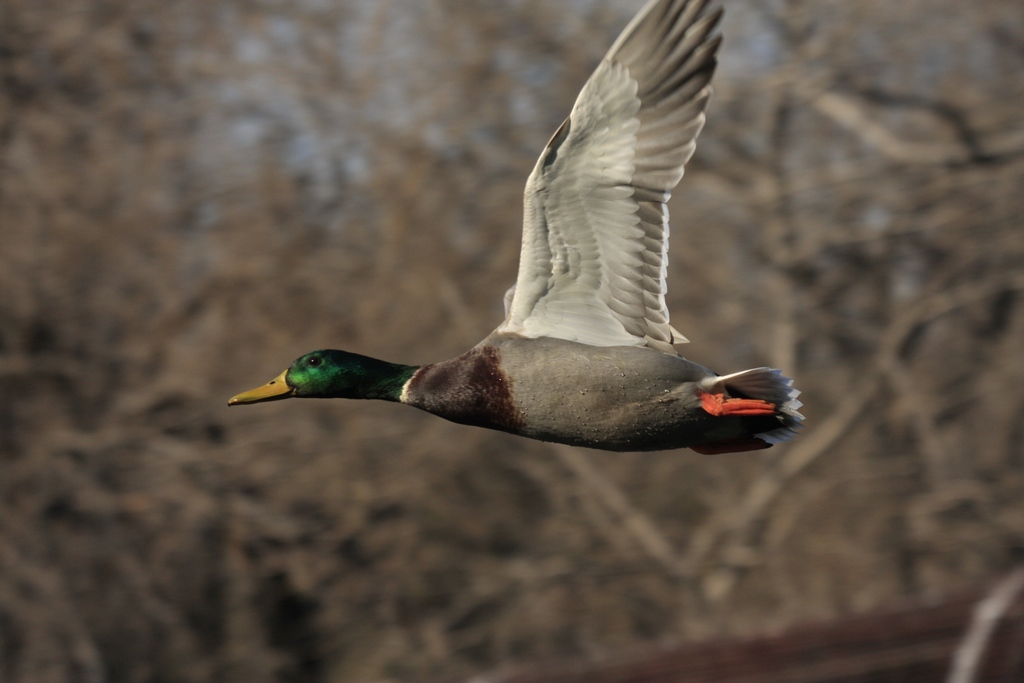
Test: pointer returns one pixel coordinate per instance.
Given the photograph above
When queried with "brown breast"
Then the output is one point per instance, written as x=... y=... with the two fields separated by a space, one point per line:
x=470 y=389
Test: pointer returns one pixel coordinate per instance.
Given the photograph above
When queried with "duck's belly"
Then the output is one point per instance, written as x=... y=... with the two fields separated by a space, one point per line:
x=612 y=398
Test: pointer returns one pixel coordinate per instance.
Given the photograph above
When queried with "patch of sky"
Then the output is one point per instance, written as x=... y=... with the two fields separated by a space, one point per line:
x=252 y=48
x=876 y=218
x=588 y=6
x=435 y=136
x=524 y=110
x=284 y=31
x=982 y=57
x=507 y=59
x=485 y=133
x=935 y=63
x=355 y=164
x=349 y=49
x=532 y=70
x=397 y=77
x=908 y=276
x=306 y=155
x=300 y=151
x=249 y=131
x=317 y=5
x=540 y=74
x=753 y=45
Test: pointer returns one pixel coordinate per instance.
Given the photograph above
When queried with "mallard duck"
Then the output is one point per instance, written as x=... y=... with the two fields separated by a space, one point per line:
x=586 y=355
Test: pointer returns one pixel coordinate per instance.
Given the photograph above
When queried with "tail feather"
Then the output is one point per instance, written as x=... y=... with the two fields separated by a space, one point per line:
x=767 y=384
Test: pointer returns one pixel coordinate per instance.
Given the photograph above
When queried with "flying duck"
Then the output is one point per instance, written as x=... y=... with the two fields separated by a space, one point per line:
x=586 y=355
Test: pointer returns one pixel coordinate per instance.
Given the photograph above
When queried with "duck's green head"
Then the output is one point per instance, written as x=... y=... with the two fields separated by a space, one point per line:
x=332 y=374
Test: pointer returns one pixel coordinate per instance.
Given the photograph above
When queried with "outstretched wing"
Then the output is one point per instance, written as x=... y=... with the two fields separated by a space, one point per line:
x=595 y=231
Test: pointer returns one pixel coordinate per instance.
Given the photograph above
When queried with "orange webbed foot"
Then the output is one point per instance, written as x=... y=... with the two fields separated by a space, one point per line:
x=718 y=405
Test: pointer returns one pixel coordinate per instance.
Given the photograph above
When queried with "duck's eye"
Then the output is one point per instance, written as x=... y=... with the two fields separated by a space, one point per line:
x=313 y=362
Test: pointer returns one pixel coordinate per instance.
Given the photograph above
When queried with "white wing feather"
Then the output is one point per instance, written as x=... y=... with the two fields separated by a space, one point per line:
x=595 y=230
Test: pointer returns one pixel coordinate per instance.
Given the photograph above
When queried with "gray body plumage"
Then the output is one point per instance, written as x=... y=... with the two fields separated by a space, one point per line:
x=619 y=398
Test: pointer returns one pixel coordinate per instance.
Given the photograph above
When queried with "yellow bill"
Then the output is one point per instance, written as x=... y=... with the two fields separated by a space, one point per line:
x=274 y=390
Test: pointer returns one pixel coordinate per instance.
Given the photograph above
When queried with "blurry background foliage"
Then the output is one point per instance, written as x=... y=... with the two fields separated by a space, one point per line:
x=193 y=193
